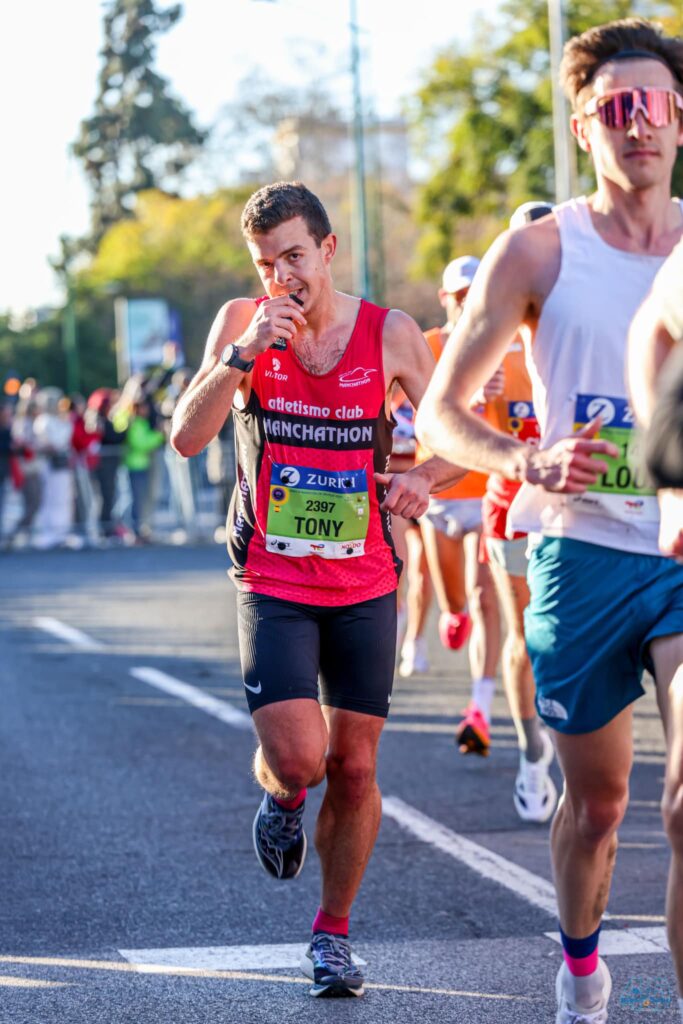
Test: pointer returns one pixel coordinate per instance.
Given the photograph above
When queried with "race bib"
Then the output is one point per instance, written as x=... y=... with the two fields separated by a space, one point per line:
x=522 y=422
x=622 y=492
x=317 y=512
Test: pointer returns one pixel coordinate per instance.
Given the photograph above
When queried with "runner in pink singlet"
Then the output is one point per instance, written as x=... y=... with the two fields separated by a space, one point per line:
x=308 y=372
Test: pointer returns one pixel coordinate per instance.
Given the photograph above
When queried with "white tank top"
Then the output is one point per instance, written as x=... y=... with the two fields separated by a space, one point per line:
x=576 y=362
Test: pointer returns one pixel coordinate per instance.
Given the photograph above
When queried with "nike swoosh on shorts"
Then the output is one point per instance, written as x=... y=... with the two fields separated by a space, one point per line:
x=254 y=689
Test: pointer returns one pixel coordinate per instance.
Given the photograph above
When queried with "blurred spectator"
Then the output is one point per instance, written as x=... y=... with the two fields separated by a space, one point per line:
x=181 y=472
x=141 y=441
x=106 y=459
x=84 y=448
x=30 y=476
x=6 y=450
x=52 y=432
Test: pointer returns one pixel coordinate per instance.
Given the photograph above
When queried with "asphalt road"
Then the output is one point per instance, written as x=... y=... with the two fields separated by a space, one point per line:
x=130 y=891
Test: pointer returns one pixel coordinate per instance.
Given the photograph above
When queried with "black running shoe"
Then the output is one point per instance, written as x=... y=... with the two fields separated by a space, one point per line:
x=329 y=965
x=279 y=838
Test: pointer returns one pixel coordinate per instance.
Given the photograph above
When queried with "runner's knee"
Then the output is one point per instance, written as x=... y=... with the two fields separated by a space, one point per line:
x=598 y=816
x=296 y=769
x=481 y=601
x=672 y=813
x=350 y=776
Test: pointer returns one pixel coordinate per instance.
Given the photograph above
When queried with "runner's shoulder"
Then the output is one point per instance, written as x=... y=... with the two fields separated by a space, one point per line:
x=527 y=254
x=229 y=323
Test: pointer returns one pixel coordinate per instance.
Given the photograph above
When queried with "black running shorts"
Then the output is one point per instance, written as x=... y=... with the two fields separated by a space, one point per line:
x=343 y=656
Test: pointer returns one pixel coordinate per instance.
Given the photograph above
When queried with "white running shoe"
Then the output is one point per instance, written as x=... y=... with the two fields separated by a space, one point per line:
x=413 y=658
x=567 y=1012
x=535 y=794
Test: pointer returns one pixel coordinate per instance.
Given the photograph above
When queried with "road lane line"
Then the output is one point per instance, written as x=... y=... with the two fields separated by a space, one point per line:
x=268 y=957
x=492 y=866
x=69 y=634
x=195 y=696
x=190 y=972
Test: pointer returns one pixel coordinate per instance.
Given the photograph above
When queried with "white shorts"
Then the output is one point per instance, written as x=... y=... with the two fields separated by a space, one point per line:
x=454 y=516
x=510 y=555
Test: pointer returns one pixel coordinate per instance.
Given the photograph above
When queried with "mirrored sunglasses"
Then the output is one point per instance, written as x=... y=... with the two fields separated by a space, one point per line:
x=618 y=108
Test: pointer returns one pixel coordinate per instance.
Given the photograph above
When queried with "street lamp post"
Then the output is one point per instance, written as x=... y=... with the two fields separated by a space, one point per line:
x=565 y=154
x=361 y=264
x=69 y=339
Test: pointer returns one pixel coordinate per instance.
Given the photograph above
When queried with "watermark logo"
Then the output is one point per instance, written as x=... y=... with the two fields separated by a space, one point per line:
x=648 y=995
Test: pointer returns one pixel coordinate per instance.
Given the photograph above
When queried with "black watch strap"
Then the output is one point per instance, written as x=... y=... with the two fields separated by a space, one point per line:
x=230 y=356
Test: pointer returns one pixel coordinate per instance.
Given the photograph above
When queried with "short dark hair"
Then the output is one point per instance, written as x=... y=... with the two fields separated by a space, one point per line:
x=274 y=204
x=584 y=54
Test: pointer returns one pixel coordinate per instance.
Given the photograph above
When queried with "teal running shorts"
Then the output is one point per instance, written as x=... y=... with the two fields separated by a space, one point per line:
x=592 y=616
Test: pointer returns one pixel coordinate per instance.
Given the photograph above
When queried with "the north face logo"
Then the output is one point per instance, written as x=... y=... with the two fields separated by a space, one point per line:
x=353 y=378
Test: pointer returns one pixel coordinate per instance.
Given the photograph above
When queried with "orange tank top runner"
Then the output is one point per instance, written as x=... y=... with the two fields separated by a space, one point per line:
x=304 y=522
x=472 y=485
x=514 y=414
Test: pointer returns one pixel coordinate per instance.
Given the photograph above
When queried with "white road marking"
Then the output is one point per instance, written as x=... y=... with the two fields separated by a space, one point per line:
x=220 y=958
x=628 y=942
x=69 y=634
x=217 y=958
x=195 y=696
x=522 y=883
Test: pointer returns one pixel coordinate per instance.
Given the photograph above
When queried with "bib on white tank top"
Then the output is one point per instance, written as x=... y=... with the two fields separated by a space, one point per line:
x=576 y=362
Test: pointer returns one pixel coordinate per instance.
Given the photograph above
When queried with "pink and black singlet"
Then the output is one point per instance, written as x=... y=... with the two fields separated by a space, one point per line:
x=304 y=522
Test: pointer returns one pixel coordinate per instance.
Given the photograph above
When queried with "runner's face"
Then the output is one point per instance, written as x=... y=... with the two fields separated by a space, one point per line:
x=636 y=156
x=289 y=260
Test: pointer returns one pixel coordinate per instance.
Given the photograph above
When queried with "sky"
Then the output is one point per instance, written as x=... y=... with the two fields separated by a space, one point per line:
x=48 y=81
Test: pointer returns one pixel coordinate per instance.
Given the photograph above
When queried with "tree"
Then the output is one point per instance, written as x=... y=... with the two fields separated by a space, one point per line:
x=490 y=111
x=140 y=136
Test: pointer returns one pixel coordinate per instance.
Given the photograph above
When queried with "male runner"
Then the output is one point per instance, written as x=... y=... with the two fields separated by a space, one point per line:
x=309 y=538
x=655 y=372
x=534 y=794
x=451 y=529
x=603 y=599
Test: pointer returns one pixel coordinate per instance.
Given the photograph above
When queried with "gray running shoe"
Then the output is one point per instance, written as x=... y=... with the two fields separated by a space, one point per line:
x=329 y=964
x=279 y=838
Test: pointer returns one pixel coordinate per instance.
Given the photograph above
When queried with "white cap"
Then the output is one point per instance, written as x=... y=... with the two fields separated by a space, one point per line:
x=459 y=274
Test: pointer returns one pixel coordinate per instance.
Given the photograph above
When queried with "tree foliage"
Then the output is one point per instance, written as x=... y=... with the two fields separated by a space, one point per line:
x=489 y=108
x=139 y=136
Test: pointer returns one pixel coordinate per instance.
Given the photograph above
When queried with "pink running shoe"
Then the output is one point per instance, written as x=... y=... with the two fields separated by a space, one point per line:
x=454 y=629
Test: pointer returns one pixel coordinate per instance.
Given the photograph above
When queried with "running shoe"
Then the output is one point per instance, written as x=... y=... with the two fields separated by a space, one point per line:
x=328 y=962
x=472 y=733
x=413 y=658
x=567 y=1012
x=535 y=795
x=454 y=629
x=279 y=838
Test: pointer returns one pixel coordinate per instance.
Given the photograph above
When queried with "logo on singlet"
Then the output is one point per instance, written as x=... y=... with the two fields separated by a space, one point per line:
x=354 y=378
x=274 y=373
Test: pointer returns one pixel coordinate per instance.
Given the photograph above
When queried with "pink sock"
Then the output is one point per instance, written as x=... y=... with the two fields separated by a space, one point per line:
x=327 y=923
x=291 y=805
x=580 y=967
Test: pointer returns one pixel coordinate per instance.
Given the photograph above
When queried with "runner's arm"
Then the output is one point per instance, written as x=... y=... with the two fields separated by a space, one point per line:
x=506 y=291
x=204 y=408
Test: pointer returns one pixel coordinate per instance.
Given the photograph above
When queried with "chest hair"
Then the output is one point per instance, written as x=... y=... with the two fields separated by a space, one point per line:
x=320 y=357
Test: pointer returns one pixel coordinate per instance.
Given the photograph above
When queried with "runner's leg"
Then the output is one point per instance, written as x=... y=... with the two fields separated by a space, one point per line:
x=291 y=753
x=667 y=656
x=418 y=598
x=596 y=768
x=446 y=561
x=484 y=647
x=351 y=809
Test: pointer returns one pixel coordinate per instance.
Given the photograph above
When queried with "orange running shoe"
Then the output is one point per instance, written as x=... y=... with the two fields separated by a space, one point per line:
x=472 y=733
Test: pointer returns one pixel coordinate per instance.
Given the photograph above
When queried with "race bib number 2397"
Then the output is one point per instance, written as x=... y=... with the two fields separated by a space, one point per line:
x=317 y=512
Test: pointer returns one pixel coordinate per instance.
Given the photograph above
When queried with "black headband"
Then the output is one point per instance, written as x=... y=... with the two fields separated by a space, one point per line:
x=633 y=55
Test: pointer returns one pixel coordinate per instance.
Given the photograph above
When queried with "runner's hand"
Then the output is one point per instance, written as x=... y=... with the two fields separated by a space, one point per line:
x=671 y=525
x=274 y=318
x=569 y=466
x=407 y=494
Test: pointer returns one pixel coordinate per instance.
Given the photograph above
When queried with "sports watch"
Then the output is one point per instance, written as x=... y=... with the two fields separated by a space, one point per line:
x=230 y=356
